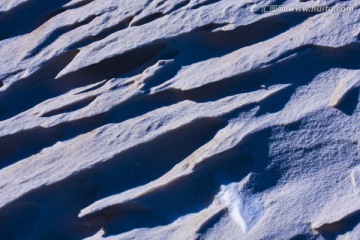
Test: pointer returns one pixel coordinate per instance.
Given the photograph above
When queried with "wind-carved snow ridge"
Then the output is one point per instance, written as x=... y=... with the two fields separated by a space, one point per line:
x=179 y=119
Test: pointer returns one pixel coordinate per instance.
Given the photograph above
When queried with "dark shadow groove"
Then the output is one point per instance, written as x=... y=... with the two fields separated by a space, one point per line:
x=332 y=230
x=23 y=144
x=79 y=4
x=243 y=83
x=112 y=67
x=350 y=101
x=57 y=33
x=58 y=204
x=97 y=86
x=16 y=21
x=22 y=94
x=292 y=53
x=9 y=74
x=102 y=35
x=180 y=5
x=304 y=237
x=277 y=101
x=205 y=3
x=71 y=107
x=159 y=4
x=210 y=223
x=72 y=6
x=147 y=19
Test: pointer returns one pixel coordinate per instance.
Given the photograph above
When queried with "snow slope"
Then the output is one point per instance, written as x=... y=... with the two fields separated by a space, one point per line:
x=179 y=119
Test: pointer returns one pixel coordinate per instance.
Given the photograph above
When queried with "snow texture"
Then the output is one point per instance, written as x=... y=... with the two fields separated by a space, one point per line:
x=179 y=119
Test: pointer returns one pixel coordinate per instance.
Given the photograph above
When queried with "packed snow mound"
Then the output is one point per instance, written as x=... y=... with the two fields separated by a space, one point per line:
x=179 y=119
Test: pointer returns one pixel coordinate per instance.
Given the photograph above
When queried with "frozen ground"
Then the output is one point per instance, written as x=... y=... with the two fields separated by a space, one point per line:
x=179 y=119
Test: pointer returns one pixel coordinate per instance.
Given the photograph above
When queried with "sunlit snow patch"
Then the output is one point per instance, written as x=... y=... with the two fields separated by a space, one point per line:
x=245 y=209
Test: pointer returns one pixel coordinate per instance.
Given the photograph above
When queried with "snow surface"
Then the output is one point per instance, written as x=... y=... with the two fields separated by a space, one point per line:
x=179 y=119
